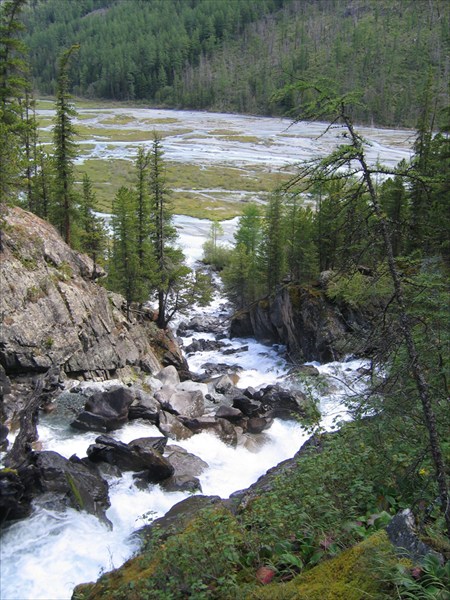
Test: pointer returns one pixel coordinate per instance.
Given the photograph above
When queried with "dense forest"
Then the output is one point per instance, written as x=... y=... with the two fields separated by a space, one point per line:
x=232 y=56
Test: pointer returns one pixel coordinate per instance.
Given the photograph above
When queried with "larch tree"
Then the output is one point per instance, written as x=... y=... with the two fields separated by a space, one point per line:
x=349 y=160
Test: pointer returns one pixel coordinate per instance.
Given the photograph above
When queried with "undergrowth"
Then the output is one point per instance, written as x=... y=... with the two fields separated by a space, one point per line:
x=342 y=492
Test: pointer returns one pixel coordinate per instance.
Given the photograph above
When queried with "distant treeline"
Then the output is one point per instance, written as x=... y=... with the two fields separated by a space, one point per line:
x=232 y=55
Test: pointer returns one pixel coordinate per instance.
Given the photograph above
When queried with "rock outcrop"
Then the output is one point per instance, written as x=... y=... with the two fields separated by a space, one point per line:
x=55 y=314
x=304 y=319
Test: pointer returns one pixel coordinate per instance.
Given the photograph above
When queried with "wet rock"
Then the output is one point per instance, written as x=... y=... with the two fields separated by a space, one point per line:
x=184 y=462
x=249 y=392
x=230 y=351
x=187 y=467
x=105 y=411
x=189 y=404
x=247 y=406
x=171 y=426
x=14 y=502
x=4 y=431
x=182 y=483
x=203 y=346
x=282 y=403
x=145 y=407
x=230 y=413
x=154 y=443
x=138 y=456
x=221 y=336
x=80 y=486
x=212 y=369
x=5 y=384
x=258 y=424
x=224 y=385
x=220 y=427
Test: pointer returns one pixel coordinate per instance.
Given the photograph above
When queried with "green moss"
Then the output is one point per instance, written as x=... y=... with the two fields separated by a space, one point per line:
x=8 y=471
x=75 y=491
x=351 y=576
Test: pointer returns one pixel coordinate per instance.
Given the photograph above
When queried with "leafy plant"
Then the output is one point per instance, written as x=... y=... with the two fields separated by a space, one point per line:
x=431 y=581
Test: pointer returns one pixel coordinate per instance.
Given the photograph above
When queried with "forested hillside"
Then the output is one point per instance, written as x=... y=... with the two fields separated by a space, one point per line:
x=232 y=55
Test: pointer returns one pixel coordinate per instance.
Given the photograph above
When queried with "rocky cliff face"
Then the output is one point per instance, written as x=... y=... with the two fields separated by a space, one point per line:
x=312 y=326
x=54 y=314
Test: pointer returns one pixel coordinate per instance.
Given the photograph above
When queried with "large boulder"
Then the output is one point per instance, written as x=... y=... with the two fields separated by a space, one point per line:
x=136 y=456
x=71 y=480
x=189 y=404
x=172 y=427
x=57 y=315
x=145 y=407
x=187 y=468
x=105 y=411
x=15 y=503
x=403 y=534
x=168 y=376
x=222 y=428
x=283 y=404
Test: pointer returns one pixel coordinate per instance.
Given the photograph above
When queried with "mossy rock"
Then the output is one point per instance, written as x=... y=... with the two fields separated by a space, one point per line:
x=350 y=576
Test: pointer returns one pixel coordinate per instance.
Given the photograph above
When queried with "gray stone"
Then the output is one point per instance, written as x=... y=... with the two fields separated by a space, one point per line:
x=403 y=534
x=138 y=456
x=171 y=427
x=79 y=485
x=189 y=404
x=184 y=462
x=168 y=376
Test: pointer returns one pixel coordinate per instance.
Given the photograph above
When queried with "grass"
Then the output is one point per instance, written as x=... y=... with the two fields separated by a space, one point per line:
x=112 y=134
x=199 y=191
x=190 y=181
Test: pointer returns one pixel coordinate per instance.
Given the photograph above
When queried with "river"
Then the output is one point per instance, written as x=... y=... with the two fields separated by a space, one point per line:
x=44 y=556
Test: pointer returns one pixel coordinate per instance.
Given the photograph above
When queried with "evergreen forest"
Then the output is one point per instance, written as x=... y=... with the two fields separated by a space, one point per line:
x=233 y=55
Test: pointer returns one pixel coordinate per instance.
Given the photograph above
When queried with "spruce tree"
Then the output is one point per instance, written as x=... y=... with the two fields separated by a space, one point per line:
x=163 y=233
x=13 y=86
x=123 y=265
x=92 y=233
x=64 y=203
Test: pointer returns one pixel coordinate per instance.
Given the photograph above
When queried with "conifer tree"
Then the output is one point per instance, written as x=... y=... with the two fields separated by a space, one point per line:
x=13 y=86
x=273 y=249
x=242 y=276
x=92 y=234
x=64 y=205
x=163 y=233
x=349 y=160
x=144 y=224
x=123 y=275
